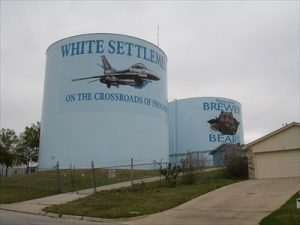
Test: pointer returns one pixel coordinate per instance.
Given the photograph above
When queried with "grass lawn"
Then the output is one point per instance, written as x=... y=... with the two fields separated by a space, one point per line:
x=19 y=188
x=288 y=214
x=145 y=199
x=41 y=184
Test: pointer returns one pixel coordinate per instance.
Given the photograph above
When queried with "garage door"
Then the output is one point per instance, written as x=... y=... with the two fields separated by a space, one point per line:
x=277 y=164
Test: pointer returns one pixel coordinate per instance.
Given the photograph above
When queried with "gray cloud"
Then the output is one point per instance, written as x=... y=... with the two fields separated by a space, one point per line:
x=244 y=50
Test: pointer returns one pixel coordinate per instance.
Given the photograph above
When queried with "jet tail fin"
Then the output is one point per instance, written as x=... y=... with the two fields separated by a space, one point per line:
x=107 y=67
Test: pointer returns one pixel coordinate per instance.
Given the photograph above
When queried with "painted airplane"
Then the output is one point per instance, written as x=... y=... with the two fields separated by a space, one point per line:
x=137 y=76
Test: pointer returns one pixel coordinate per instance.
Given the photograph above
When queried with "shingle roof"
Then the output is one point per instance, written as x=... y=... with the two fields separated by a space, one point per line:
x=273 y=133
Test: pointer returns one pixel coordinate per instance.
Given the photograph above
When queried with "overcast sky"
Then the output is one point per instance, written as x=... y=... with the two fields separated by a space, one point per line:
x=244 y=50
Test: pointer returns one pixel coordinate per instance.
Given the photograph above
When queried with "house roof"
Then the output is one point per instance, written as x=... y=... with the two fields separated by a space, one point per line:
x=220 y=147
x=282 y=129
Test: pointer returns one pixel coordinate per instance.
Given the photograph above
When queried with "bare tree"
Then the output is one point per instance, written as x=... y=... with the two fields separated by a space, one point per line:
x=191 y=165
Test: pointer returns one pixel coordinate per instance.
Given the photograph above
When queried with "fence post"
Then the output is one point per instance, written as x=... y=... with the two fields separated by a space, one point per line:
x=131 y=172
x=72 y=181
x=58 y=178
x=198 y=159
x=94 y=178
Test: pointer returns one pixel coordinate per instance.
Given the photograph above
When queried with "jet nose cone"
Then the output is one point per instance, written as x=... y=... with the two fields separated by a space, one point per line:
x=152 y=76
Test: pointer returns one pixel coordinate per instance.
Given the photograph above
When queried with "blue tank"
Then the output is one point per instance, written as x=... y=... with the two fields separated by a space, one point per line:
x=105 y=99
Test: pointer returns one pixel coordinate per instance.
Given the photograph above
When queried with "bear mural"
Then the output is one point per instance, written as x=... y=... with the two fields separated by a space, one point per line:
x=225 y=123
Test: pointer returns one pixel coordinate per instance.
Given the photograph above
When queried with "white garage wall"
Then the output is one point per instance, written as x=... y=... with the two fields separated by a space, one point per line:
x=277 y=164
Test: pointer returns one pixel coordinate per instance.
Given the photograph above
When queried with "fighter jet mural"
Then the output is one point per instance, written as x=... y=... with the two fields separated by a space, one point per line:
x=137 y=75
x=225 y=123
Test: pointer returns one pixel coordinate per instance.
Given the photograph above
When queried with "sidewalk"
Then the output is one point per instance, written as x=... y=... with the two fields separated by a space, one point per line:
x=35 y=206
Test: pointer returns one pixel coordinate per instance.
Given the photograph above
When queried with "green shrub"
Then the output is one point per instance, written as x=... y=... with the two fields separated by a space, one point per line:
x=170 y=173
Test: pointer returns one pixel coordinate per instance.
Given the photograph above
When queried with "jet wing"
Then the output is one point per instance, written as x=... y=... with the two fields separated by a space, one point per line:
x=85 y=78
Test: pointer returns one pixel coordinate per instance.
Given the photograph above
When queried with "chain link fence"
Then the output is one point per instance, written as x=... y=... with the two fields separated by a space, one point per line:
x=201 y=159
x=16 y=171
x=72 y=179
x=57 y=180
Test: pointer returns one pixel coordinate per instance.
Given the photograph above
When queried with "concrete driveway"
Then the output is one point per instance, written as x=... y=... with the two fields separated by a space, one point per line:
x=244 y=203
